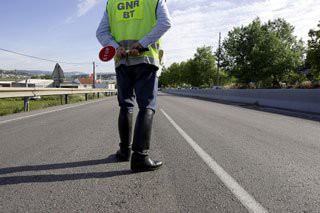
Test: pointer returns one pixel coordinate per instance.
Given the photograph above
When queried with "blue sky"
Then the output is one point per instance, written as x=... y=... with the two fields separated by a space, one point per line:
x=64 y=30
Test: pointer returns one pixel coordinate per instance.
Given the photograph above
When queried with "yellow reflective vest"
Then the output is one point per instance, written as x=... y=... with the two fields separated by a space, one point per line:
x=130 y=21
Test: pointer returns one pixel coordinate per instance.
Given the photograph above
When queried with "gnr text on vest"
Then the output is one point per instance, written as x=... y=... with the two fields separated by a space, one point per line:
x=129 y=5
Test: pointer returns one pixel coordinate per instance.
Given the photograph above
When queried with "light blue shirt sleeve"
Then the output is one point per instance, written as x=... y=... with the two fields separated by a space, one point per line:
x=163 y=25
x=103 y=33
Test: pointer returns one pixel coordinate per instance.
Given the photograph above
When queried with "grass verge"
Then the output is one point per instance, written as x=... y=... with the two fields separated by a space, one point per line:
x=15 y=105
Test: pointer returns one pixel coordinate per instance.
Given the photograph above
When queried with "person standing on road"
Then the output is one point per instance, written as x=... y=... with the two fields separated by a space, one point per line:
x=129 y=25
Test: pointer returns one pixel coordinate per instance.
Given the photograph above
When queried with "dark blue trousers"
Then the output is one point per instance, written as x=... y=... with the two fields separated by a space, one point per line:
x=137 y=83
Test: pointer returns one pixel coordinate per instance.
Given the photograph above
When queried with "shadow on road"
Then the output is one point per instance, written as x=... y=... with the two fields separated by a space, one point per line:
x=60 y=177
x=110 y=159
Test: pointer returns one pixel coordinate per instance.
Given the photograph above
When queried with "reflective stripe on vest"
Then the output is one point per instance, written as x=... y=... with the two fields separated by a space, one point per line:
x=130 y=21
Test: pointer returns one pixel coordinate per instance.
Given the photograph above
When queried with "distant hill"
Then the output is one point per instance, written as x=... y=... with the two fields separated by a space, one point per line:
x=33 y=72
x=42 y=72
x=70 y=74
x=75 y=74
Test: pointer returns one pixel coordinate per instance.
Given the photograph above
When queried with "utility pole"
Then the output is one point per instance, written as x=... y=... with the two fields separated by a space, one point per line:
x=26 y=100
x=219 y=53
x=94 y=75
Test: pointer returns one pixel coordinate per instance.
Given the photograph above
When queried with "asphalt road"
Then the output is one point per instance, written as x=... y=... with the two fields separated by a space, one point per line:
x=62 y=160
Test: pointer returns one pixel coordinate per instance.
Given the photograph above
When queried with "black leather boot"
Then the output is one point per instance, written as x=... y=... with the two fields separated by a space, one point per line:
x=140 y=160
x=142 y=163
x=125 y=133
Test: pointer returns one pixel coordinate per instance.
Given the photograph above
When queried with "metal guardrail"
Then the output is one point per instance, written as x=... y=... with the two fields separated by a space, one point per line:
x=12 y=92
x=27 y=93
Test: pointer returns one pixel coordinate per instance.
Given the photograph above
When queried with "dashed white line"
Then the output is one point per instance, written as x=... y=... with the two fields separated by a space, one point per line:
x=47 y=112
x=243 y=196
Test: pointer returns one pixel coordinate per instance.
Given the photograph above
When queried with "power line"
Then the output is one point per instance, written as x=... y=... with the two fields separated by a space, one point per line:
x=44 y=59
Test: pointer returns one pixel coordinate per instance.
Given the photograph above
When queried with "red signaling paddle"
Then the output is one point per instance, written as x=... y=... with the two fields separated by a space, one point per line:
x=108 y=52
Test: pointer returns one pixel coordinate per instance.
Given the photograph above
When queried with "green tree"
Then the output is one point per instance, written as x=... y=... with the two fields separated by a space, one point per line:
x=164 y=79
x=205 y=66
x=200 y=71
x=34 y=77
x=46 y=77
x=313 y=53
x=171 y=76
x=262 y=53
x=175 y=75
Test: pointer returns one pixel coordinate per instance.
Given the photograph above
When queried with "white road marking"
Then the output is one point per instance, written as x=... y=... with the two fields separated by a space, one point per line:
x=47 y=112
x=243 y=196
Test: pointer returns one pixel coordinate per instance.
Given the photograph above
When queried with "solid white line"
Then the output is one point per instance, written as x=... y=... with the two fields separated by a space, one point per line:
x=47 y=112
x=243 y=196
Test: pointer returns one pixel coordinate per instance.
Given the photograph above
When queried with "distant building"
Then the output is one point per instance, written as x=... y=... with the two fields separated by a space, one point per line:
x=101 y=86
x=88 y=83
x=111 y=85
x=85 y=82
x=70 y=84
x=81 y=83
x=6 y=83
x=42 y=83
